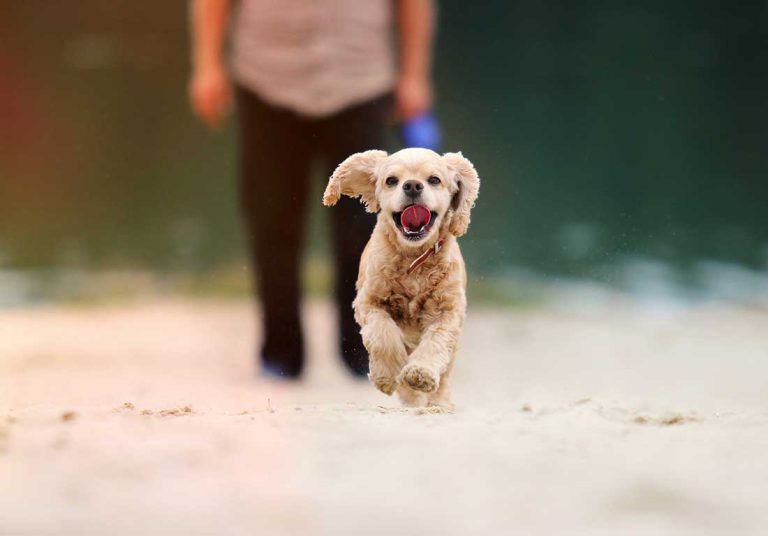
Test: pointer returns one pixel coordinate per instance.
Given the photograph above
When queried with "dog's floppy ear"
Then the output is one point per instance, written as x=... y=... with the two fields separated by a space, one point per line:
x=355 y=177
x=464 y=199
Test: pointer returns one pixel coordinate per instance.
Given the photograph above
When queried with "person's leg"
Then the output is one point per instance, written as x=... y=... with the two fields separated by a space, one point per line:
x=274 y=178
x=356 y=129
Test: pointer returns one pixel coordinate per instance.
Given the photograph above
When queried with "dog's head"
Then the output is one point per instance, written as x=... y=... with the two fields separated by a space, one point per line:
x=417 y=191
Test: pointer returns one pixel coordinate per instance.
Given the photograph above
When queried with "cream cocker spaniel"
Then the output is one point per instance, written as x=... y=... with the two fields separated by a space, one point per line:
x=411 y=298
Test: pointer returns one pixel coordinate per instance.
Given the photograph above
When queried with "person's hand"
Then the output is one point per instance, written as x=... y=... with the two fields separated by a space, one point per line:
x=413 y=96
x=210 y=94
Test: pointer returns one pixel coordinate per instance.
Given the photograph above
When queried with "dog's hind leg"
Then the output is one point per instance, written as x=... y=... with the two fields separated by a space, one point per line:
x=411 y=398
x=442 y=397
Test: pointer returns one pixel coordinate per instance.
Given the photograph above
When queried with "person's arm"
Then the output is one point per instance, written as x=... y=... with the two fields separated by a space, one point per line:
x=209 y=86
x=416 y=21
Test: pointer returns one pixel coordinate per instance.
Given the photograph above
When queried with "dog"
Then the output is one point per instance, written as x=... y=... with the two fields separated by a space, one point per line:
x=411 y=289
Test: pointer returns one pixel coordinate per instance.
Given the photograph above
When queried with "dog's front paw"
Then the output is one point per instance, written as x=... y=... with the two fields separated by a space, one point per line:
x=420 y=378
x=384 y=383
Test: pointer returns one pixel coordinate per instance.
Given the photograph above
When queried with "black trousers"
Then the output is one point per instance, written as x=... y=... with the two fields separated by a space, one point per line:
x=277 y=147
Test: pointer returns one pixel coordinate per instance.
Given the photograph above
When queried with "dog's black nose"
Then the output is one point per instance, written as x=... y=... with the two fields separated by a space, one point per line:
x=412 y=188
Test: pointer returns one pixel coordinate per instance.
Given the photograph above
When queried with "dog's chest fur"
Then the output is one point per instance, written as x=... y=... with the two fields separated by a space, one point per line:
x=412 y=299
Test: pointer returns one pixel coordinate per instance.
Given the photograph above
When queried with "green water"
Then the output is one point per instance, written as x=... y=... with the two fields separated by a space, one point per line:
x=603 y=131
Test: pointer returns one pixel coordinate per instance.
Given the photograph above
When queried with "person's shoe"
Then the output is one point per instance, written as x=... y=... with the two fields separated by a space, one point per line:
x=280 y=368
x=356 y=359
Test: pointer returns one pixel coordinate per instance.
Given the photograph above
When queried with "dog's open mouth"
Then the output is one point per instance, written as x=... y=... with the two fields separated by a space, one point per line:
x=414 y=221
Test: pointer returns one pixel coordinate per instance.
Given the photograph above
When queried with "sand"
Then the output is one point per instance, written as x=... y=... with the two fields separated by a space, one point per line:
x=149 y=418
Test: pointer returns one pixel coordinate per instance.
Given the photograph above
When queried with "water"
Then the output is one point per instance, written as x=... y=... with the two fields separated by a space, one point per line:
x=609 y=136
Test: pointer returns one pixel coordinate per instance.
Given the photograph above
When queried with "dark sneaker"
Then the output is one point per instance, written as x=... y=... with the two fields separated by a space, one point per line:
x=355 y=358
x=281 y=368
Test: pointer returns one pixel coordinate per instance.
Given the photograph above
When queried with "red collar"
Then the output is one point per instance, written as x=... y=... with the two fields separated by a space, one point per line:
x=424 y=256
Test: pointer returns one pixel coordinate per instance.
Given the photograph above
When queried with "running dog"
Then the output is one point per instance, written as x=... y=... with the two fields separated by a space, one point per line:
x=411 y=289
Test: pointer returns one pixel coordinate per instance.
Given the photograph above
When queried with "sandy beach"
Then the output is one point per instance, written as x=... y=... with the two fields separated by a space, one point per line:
x=149 y=418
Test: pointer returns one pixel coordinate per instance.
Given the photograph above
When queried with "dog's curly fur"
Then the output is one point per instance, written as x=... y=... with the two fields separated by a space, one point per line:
x=410 y=323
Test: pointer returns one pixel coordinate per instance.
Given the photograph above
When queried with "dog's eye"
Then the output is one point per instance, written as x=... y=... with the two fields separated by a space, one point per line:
x=391 y=181
x=434 y=181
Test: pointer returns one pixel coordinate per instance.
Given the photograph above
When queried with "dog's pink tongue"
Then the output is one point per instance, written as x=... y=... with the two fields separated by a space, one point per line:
x=415 y=217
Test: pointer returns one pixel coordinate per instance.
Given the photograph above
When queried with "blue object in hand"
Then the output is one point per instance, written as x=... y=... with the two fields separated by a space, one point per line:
x=422 y=131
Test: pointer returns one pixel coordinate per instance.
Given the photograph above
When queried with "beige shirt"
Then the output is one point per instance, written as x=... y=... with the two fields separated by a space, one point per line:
x=315 y=57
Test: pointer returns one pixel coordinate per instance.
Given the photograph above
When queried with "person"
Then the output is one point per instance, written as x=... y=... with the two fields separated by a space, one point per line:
x=313 y=79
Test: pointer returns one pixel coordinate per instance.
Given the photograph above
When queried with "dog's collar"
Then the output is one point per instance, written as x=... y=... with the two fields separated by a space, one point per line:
x=424 y=256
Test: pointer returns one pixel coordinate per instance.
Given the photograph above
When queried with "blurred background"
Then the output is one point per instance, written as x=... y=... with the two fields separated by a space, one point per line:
x=621 y=147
